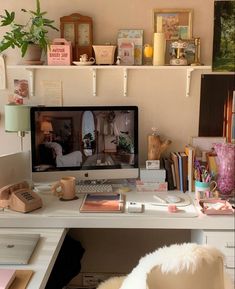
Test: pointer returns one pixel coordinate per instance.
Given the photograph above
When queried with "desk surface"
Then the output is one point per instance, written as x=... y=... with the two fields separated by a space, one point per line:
x=44 y=255
x=58 y=214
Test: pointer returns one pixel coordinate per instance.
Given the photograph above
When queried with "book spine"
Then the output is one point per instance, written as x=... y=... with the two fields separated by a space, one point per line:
x=169 y=176
x=180 y=171
x=174 y=158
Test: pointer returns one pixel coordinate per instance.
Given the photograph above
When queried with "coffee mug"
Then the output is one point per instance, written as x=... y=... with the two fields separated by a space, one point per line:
x=67 y=188
x=203 y=189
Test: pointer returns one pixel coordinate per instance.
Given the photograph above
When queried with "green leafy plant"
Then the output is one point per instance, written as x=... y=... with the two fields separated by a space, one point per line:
x=33 y=32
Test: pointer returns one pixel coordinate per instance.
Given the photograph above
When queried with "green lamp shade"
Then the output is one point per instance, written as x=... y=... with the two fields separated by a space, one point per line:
x=17 y=118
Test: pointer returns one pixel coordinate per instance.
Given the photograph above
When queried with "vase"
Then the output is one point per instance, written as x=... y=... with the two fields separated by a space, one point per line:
x=226 y=159
x=33 y=54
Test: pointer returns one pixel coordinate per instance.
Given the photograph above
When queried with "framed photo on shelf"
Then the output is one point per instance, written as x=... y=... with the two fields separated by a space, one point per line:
x=134 y=36
x=190 y=51
x=223 y=40
x=126 y=53
x=176 y=23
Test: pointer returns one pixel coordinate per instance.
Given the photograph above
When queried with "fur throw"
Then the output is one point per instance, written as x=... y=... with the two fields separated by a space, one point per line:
x=112 y=283
x=172 y=259
x=187 y=256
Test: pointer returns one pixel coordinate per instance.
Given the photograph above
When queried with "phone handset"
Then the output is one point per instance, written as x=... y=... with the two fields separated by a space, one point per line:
x=19 y=197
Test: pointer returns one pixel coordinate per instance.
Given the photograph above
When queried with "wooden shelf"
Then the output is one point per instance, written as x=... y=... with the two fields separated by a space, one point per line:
x=125 y=69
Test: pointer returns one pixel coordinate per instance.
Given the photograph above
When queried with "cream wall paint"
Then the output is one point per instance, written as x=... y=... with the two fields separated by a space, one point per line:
x=160 y=95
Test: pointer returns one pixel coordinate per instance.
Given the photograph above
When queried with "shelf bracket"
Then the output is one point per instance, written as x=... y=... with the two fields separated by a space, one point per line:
x=31 y=81
x=125 y=81
x=188 y=80
x=94 y=82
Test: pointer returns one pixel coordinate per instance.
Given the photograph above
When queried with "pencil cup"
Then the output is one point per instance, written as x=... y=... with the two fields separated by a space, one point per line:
x=203 y=189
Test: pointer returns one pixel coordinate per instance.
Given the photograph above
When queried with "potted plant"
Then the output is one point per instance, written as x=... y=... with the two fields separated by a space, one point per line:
x=32 y=35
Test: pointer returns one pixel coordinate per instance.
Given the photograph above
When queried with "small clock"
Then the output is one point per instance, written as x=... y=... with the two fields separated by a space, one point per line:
x=78 y=29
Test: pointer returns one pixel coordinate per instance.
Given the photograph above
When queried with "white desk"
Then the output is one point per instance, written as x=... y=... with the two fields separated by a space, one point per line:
x=60 y=215
x=44 y=255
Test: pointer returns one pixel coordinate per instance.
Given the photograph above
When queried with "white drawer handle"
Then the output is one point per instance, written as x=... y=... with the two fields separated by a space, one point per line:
x=229 y=266
x=230 y=245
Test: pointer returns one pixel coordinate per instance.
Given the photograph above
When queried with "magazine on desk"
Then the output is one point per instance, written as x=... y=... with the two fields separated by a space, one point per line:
x=102 y=203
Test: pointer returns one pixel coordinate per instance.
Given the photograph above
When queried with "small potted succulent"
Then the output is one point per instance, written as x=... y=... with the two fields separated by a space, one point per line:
x=29 y=36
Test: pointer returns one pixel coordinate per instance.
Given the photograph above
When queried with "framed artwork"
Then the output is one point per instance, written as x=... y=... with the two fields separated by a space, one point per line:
x=134 y=36
x=176 y=23
x=223 y=40
x=190 y=51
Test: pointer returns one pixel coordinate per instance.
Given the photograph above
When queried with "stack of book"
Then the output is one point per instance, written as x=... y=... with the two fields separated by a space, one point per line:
x=181 y=168
x=152 y=180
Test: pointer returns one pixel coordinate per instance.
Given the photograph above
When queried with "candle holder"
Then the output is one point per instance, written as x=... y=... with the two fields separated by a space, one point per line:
x=148 y=54
x=197 y=56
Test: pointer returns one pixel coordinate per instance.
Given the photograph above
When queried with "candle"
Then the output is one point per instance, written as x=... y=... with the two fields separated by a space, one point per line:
x=159 y=24
x=159 y=49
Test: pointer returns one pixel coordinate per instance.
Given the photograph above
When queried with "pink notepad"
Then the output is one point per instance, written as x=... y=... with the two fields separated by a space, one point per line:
x=7 y=276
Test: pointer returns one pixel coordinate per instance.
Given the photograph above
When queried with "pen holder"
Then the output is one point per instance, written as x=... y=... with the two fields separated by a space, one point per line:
x=203 y=189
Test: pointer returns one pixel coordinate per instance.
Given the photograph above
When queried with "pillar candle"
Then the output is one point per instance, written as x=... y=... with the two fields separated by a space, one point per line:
x=159 y=49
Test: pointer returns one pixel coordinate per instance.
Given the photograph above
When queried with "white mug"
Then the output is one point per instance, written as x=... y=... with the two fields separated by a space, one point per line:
x=67 y=188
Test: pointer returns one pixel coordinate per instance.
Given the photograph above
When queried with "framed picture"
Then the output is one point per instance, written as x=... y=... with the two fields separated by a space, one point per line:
x=134 y=36
x=175 y=23
x=190 y=51
x=224 y=41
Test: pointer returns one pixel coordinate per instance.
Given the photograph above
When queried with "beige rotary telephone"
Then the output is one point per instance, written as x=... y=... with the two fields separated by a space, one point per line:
x=19 y=197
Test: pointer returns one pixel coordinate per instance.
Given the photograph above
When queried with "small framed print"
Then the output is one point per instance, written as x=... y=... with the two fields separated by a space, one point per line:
x=134 y=36
x=189 y=51
x=126 y=52
x=175 y=23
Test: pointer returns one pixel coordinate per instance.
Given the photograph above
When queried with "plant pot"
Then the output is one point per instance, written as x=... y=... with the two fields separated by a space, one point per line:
x=33 y=55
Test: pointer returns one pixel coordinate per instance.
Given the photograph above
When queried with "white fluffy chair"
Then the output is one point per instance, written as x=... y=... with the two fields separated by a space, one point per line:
x=176 y=267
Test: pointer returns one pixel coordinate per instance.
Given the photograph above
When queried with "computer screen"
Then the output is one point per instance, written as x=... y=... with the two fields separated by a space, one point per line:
x=90 y=143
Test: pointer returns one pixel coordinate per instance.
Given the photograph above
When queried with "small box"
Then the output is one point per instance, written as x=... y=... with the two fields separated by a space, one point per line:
x=59 y=52
x=104 y=54
x=153 y=164
x=151 y=187
x=147 y=175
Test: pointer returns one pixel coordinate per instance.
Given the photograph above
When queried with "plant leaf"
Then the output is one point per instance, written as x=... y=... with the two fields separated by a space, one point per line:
x=24 y=48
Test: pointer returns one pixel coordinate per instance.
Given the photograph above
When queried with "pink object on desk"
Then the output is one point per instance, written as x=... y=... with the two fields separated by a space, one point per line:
x=172 y=208
x=7 y=276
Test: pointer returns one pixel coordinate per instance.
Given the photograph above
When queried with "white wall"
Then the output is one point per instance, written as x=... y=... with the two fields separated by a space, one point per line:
x=160 y=95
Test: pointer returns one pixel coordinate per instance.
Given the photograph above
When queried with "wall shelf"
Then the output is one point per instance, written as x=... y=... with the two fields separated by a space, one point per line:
x=94 y=68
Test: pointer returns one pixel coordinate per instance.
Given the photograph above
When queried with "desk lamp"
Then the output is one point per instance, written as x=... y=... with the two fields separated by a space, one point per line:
x=17 y=119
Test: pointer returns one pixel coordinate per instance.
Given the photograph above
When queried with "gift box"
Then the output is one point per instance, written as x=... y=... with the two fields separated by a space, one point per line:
x=59 y=52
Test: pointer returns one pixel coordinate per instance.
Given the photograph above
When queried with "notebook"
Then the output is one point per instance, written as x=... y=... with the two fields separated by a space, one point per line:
x=7 y=276
x=16 y=249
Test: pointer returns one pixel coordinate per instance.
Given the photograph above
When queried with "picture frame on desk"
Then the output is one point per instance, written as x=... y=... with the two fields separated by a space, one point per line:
x=176 y=23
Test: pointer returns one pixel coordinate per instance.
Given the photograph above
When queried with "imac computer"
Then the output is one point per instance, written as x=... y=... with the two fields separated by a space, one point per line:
x=87 y=142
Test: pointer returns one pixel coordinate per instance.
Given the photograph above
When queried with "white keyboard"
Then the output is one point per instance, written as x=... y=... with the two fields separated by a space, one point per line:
x=94 y=188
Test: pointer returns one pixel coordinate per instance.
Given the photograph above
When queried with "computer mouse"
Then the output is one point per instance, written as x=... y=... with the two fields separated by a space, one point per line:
x=173 y=199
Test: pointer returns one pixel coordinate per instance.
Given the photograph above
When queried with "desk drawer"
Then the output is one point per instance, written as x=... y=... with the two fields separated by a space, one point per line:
x=223 y=240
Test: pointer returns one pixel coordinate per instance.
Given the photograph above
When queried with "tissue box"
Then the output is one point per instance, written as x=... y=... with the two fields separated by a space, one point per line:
x=104 y=54
x=59 y=52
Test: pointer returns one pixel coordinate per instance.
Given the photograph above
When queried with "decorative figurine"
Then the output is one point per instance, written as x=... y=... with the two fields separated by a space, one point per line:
x=156 y=146
x=178 y=53
x=118 y=62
